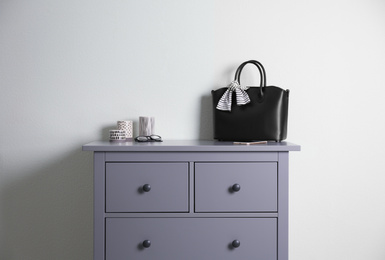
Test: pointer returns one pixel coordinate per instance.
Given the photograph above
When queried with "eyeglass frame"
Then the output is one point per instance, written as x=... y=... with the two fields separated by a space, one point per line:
x=149 y=138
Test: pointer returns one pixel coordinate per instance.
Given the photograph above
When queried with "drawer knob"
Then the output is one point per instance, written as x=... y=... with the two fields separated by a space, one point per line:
x=146 y=243
x=236 y=187
x=146 y=187
x=236 y=243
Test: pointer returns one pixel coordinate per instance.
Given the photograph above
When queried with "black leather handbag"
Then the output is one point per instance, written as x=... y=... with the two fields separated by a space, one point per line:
x=250 y=113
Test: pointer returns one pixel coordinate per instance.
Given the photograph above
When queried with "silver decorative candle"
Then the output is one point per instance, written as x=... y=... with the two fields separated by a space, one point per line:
x=146 y=126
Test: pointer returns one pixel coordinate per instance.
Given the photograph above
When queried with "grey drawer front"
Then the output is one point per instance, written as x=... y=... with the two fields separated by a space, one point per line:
x=191 y=238
x=214 y=181
x=168 y=181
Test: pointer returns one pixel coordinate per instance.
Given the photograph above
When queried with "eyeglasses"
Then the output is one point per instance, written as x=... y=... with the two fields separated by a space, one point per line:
x=150 y=138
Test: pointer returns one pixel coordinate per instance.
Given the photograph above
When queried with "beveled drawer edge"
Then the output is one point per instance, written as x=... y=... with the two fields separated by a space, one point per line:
x=192 y=215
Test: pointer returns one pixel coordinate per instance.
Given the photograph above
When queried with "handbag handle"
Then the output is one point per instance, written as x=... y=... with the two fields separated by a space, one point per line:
x=262 y=74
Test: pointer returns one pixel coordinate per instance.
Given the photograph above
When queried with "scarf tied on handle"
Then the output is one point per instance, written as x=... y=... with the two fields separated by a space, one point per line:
x=242 y=97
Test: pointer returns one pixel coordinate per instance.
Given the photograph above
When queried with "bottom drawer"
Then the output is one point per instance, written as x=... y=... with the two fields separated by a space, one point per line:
x=191 y=238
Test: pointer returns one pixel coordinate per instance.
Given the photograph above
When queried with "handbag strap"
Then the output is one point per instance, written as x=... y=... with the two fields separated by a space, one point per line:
x=262 y=74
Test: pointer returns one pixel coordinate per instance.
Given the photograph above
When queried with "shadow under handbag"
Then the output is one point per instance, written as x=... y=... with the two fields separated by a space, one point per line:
x=250 y=113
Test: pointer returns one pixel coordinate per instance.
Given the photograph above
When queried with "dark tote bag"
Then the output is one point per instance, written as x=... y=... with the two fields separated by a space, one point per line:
x=250 y=113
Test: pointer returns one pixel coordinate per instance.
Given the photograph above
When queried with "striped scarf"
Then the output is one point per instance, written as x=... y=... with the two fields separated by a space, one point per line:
x=225 y=102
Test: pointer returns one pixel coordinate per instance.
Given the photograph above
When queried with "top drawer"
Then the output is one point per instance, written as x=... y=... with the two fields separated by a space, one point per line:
x=146 y=187
x=236 y=187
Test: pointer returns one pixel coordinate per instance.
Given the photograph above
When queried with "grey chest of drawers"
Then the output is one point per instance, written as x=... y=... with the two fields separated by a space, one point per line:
x=190 y=200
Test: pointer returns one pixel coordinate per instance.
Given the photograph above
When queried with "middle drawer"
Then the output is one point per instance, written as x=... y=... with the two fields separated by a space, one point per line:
x=147 y=187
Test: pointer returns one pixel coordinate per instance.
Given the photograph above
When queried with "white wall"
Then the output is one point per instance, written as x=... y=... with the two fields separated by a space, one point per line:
x=70 y=69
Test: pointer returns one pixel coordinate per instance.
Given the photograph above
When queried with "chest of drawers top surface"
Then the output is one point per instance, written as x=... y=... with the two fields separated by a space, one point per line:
x=187 y=146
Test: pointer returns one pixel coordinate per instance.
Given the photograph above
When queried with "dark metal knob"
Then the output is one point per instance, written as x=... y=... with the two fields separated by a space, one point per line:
x=236 y=187
x=146 y=187
x=236 y=243
x=146 y=243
